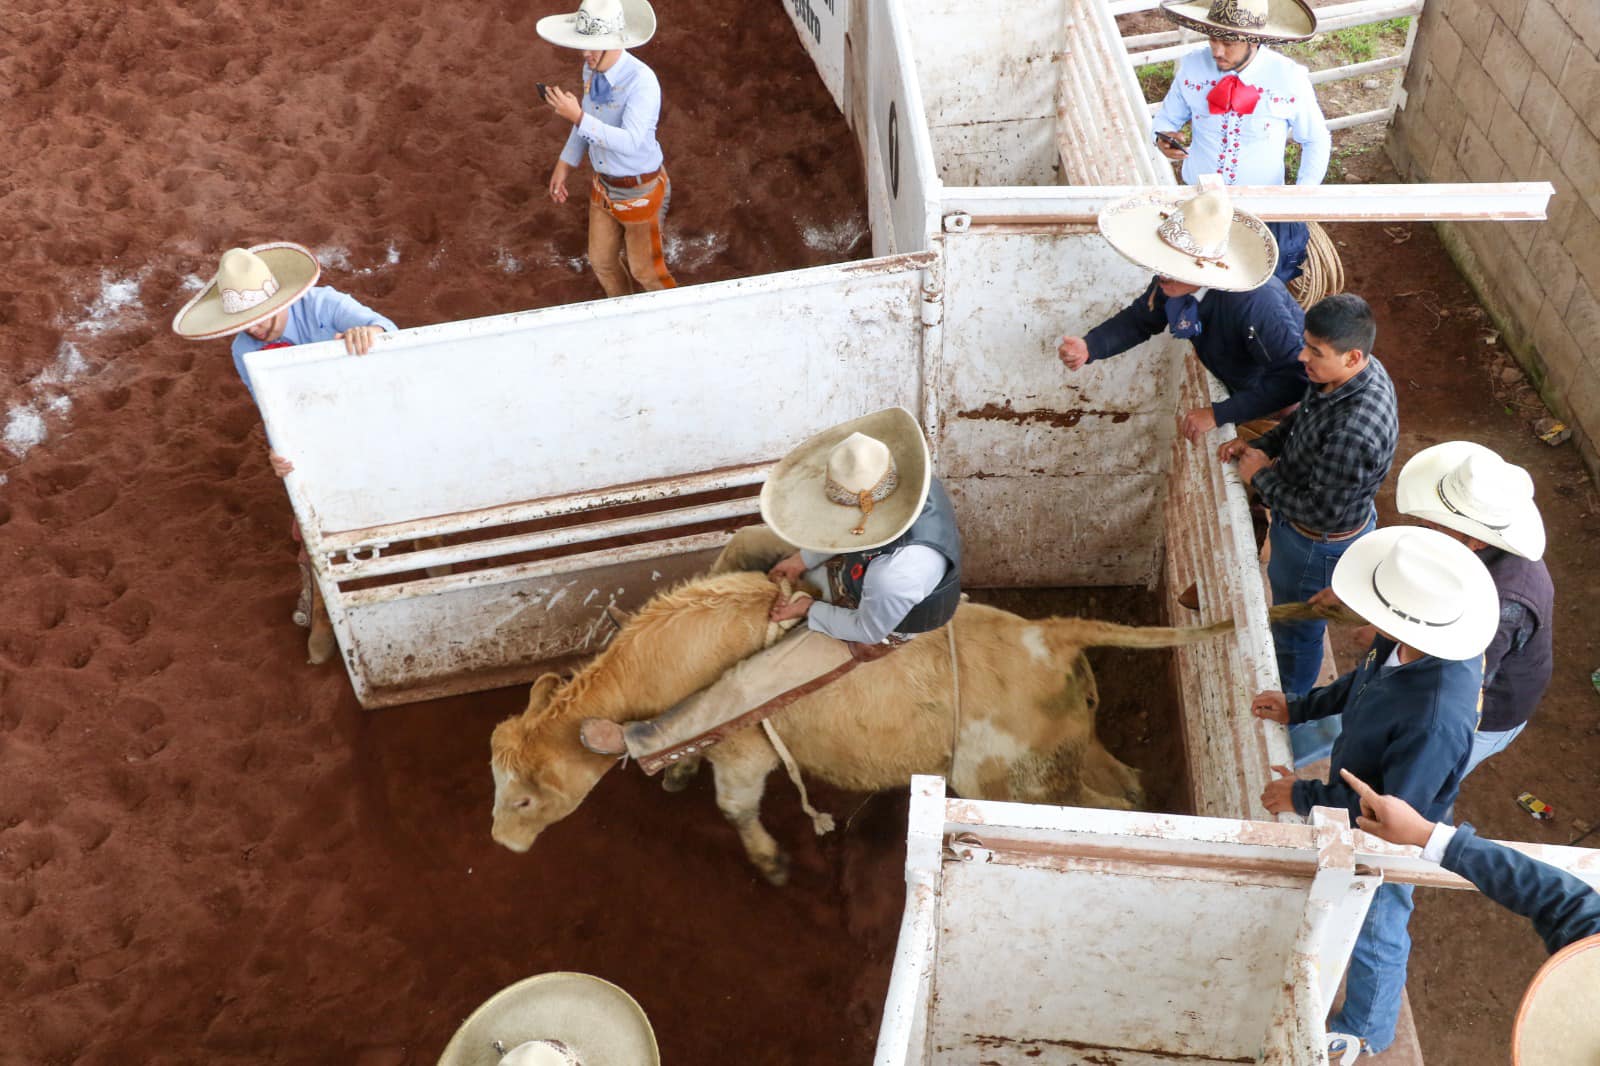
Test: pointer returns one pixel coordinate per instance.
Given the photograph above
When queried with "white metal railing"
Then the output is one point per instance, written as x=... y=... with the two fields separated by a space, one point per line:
x=1147 y=49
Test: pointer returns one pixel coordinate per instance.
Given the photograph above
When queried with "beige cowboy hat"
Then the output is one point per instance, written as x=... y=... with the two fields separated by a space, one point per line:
x=1470 y=489
x=1557 y=1024
x=855 y=486
x=1257 y=21
x=555 y=1019
x=1422 y=588
x=251 y=284
x=1198 y=240
x=601 y=25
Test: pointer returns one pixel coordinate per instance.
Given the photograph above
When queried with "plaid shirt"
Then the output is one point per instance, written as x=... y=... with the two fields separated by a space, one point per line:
x=1332 y=453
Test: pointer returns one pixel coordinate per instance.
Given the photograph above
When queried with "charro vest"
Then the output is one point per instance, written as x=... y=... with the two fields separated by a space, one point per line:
x=934 y=528
x=1519 y=683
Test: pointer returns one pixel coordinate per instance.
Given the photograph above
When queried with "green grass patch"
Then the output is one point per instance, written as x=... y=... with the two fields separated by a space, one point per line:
x=1357 y=44
x=1156 y=79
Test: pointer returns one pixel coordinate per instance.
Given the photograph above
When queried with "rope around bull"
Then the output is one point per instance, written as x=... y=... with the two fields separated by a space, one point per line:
x=821 y=821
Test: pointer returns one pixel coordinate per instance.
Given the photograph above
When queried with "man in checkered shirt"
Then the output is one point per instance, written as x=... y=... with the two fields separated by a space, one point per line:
x=1319 y=471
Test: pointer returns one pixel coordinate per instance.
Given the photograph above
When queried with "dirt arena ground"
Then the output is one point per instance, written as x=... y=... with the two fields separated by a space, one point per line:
x=208 y=852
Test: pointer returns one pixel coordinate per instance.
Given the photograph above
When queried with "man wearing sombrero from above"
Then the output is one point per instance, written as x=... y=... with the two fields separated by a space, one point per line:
x=614 y=121
x=1243 y=101
x=265 y=297
x=1468 y=492
x=1214 y=287
x=875 y=531
x=1409 y=708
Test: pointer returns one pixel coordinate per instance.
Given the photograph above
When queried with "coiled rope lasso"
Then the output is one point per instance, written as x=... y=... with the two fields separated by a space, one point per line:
x=1322 y=274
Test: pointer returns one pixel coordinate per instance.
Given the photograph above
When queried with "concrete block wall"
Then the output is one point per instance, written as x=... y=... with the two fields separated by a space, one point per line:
x=1509 y=90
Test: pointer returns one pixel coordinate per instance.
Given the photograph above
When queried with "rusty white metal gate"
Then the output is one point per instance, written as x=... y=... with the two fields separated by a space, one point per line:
x=546 y=464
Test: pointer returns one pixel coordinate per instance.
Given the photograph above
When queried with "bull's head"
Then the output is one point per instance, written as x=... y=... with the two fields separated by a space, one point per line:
x=540 y=772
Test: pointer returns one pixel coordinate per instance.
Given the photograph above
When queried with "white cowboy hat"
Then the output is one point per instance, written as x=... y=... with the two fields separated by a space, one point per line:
x=1198 y=240
x=1257 y=21
x=1557 y=1024
x=852 y=487
x=555 y=1019
x=1421 y=587
x=251 y=284
x=1469 y=488
x=601 y=25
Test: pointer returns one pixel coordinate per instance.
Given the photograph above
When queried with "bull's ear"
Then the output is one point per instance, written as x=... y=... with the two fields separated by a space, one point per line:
x=543 y=688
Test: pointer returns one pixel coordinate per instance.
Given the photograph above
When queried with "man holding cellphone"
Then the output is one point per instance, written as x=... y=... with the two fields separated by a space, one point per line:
x=1243 y=101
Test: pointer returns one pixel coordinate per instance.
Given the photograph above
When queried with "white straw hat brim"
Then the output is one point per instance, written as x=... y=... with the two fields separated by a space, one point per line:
x=1287 y=20
x=639 y=25
x=795 y=506
x=1557 y=1023
x=1464 y=638
x=293 y=267
x=1130 y=226
x=1417 y=494
x=602 y=1024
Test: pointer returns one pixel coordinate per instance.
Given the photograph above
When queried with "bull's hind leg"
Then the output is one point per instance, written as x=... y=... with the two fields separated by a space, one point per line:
x=1073 y=775
x=1110 y=776
x=741 y=765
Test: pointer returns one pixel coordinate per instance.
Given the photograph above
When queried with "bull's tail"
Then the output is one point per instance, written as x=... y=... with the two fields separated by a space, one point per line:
x=1304 y=612
x=1090 y=633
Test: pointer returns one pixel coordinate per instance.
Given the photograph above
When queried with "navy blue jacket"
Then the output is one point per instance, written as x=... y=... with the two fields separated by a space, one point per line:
x=1407 y=730
x=1562 y=908
x=1251 y=340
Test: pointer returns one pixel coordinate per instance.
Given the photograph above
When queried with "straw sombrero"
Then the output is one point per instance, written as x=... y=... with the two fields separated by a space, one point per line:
x=555 y=1019
x=601 y=25
x=1557 y=1022
x=1421 y=587
x=1200 y=240
x=251 y=284
x=1257 y=21
x=855 y=486
x=1469 y=488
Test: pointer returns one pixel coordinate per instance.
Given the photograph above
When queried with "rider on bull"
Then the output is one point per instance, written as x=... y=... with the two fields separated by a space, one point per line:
x=875 y=532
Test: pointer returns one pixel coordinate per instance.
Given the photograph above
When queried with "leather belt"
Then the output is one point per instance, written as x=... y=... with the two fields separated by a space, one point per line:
x=630 y=181
x=1316 y=535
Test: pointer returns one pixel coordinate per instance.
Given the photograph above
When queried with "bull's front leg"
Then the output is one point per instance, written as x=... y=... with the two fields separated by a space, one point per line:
x=741 y=765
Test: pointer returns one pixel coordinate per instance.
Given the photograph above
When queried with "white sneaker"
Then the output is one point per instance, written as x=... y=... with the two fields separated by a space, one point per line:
x=1348 y=1048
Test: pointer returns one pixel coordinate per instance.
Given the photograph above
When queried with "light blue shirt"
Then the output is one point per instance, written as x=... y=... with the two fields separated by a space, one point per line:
x=892 y=585
x=1248 y=149
x=316 y=316
x=620 y=135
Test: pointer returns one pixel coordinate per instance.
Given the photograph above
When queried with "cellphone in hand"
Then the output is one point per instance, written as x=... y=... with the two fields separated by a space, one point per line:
x=1170 y=141
x=542 y=89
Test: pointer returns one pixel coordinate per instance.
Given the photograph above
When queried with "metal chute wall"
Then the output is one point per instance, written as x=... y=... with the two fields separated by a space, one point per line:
x=898 y=151
x=821 y=26
x=1059 y=476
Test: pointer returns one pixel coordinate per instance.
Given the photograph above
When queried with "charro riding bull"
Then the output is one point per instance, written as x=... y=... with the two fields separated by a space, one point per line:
x=1003 y=706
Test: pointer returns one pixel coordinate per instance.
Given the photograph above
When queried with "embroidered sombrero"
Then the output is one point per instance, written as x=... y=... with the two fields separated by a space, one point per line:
x=555 y=1019
x=855 y=486
x=601 y=25
x=1200 y=240
x=251 y=284
x=1258 y=21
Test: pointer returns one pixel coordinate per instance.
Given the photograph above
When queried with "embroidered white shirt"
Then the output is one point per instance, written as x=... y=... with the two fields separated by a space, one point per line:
x=1248 y=149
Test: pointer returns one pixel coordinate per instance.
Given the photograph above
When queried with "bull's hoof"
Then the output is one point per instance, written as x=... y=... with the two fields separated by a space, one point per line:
x=680 y=775
x=776 y=869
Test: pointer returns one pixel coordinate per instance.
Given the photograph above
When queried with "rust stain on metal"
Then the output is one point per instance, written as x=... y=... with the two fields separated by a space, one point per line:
x=1100 y=1054
x=1059 y=419
x=889 y=264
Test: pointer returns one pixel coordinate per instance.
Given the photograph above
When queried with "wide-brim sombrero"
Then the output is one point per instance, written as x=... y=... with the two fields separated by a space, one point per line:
x=1130 y=225
x=1404 y=601
x=639 y=25
x=602 y=1024
x=1424 y=490
x=795 y=503
x=1287 y=20
x=293 y=267
x=1558 y=1023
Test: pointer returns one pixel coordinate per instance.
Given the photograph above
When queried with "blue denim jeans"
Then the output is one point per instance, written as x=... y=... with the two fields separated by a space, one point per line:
x=1377 y=974
x=1300 y=567
x=1487 y=744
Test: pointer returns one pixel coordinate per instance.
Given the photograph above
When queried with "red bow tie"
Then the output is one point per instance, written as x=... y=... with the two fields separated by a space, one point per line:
x=1231 y=94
